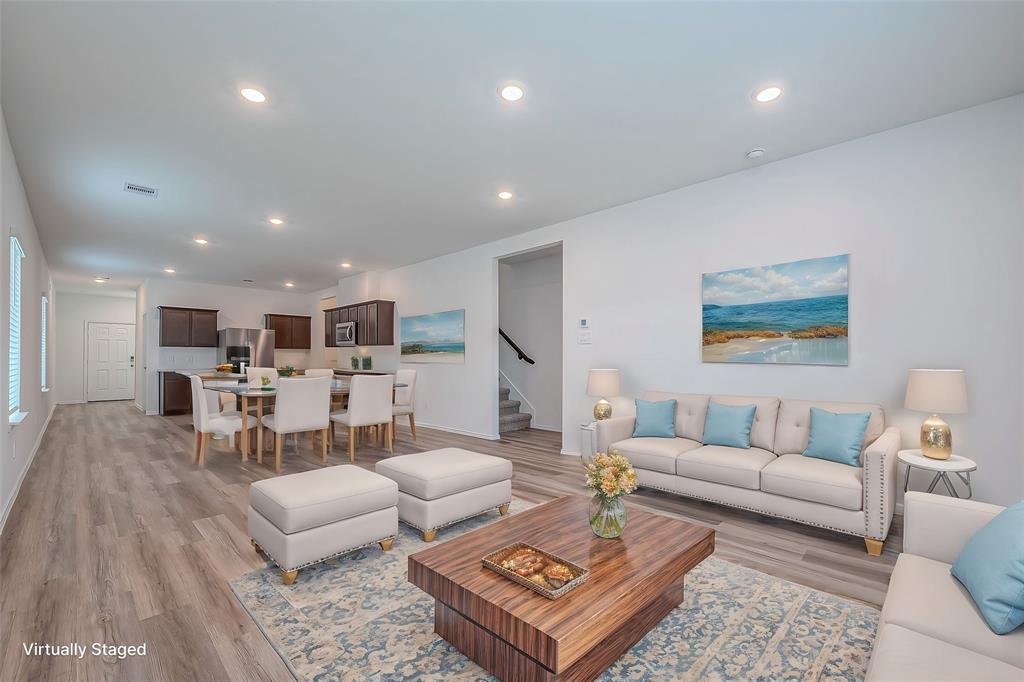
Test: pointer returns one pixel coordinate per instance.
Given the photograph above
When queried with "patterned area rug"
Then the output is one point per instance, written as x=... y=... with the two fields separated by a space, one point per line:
x=358 y=618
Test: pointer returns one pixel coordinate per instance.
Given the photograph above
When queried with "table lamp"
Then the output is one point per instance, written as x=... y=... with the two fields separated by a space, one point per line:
x=934 y=391
x=603 y=383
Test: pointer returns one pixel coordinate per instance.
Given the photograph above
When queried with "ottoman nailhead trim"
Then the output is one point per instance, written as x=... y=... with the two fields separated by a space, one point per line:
x=452 y=523
x=317 y=561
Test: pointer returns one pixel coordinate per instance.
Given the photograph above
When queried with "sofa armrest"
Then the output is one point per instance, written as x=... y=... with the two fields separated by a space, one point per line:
x=880 y=483
x=938 y=527
x=613 y=430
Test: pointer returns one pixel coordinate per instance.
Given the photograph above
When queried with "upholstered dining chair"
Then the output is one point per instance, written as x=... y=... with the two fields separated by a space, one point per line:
x=405 y=399
x=254 y=375
x=208 y=422
x=303 y=405
x=369 y=404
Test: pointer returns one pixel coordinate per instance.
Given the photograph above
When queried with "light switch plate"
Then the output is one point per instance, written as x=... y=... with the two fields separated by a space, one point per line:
x=584 y=323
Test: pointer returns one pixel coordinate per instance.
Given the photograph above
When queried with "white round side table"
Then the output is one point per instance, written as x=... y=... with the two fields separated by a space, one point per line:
x=960 y=466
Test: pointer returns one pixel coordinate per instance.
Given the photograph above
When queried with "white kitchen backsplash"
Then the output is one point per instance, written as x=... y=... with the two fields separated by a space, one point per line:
x=187 y=358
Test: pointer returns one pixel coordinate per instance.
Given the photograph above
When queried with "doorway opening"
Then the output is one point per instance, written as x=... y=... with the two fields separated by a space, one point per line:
x=530 y=340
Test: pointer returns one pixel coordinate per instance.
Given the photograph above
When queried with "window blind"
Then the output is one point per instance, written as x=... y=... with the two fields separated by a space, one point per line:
x=42 y=343
x=14 y=354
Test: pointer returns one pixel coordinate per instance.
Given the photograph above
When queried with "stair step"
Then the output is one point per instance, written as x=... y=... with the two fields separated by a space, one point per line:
x=508 y=407
x=514 y=422
x=503 y=394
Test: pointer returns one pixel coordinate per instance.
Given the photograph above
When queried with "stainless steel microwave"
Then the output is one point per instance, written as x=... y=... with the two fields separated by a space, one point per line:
x=345 y=334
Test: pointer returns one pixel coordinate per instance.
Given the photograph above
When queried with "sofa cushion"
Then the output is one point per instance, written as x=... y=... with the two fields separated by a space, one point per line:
x=691 y=410
x=310 y=499
x=836 y=436
x=728 y=425
x=762 y=431
x=794 y=423
x=655 y=454
x=815 y=480
x=991 y=567
x=655 y=419
x=740 y=467
x=901 y=654
x=438 y=473
x=924 y=597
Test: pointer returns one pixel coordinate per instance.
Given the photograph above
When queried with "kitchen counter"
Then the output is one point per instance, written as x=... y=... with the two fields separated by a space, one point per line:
x=368 y=372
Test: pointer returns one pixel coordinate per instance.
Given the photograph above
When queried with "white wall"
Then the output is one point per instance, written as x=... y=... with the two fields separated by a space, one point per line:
x=18 y=444
x=530 y=312
x=238 y=306
x=931 y=215
x=72 y=312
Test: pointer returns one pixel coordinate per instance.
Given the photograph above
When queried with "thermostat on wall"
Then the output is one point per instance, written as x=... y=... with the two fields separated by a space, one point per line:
x=584 y=323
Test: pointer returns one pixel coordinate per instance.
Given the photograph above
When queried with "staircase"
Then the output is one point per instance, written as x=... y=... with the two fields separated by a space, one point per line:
x=509 y=416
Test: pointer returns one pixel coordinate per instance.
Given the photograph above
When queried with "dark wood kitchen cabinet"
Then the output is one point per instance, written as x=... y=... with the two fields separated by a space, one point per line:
x=188 y=327
x=176 y=393
x=291 y=332
x=375 y=323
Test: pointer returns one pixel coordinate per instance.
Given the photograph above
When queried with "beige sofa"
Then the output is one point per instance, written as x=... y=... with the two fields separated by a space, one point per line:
x=930 y=628
x=772 y=476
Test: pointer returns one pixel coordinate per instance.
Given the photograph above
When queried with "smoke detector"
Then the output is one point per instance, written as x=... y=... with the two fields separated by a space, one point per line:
x=755 y=154
x=142 y=190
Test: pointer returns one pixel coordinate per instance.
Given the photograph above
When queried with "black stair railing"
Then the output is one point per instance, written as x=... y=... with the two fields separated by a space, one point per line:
x=519 y=351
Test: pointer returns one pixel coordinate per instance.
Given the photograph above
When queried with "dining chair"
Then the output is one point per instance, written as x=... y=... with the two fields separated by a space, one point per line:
x=254 y=375
x=369 y=404
x=303 y=405
x=207 y=422
x=405 y=399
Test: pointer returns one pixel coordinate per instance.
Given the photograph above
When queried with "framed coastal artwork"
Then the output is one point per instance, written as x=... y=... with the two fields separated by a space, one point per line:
x=788 y=313
x=436 y=337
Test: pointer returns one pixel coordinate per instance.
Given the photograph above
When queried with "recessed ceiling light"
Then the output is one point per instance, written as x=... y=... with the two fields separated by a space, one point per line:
x=100 y=280
x=169 y=271
x=505 y=195
x=289 y=284
x=248 y=281
x=768 y=94
x=346 y=265
x=253 y=95
x=511 y=92
x=276 y=221
x=200 y=241
x=755 y=154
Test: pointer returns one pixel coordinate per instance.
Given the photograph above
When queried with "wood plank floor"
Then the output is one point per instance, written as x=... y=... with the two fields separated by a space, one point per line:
x=117 y=537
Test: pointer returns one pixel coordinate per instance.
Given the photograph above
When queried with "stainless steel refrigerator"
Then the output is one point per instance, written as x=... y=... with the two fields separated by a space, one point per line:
x=245 y=348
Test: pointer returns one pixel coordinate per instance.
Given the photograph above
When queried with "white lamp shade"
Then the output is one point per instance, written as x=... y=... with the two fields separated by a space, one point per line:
x=603 y=383
x=942 y=391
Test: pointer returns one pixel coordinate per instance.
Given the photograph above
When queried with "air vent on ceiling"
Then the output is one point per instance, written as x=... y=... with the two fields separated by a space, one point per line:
x=133 y=188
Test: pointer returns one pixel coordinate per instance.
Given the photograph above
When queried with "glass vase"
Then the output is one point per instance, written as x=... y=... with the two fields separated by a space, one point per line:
x=607 y=516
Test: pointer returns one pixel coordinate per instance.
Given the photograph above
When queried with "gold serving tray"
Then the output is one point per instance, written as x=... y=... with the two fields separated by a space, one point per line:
x=494 y=559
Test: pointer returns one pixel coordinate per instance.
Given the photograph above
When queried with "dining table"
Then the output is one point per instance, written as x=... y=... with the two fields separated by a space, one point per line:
x=339 y=388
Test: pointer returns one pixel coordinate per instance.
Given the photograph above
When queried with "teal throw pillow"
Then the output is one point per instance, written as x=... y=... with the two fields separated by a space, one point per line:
x=837 y=437
x=729 y=425
x=655 y=419
x=991 y=567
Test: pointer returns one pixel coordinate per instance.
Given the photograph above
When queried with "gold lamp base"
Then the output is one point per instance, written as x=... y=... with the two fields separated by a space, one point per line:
x=602 y=410
x=936 y=438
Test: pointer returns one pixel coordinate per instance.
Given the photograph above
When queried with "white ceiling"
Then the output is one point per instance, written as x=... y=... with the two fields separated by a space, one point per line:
x=384 y=143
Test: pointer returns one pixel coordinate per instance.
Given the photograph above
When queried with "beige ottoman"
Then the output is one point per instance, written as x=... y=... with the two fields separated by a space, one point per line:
x=442 y=487
x=302 y=519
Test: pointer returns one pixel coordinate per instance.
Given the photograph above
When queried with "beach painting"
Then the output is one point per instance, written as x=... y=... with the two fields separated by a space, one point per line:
x=436 y=337
x=789 y=313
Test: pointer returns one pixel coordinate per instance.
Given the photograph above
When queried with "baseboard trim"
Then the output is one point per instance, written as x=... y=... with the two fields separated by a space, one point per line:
x=140 y=408
x=461 y=432
x=70 y=402
x=24 y=471
x=152 y=413
x=541 y=427
x=569 y=453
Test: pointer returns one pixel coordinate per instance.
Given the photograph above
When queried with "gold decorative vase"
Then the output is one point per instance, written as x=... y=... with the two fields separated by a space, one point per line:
x=602 y=410
x=936 y=438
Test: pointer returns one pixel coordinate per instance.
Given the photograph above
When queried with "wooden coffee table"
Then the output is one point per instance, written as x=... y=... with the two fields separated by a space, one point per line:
x=517 y=634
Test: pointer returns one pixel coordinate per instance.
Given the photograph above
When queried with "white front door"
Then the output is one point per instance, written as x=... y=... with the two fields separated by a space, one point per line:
x=111 y=362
